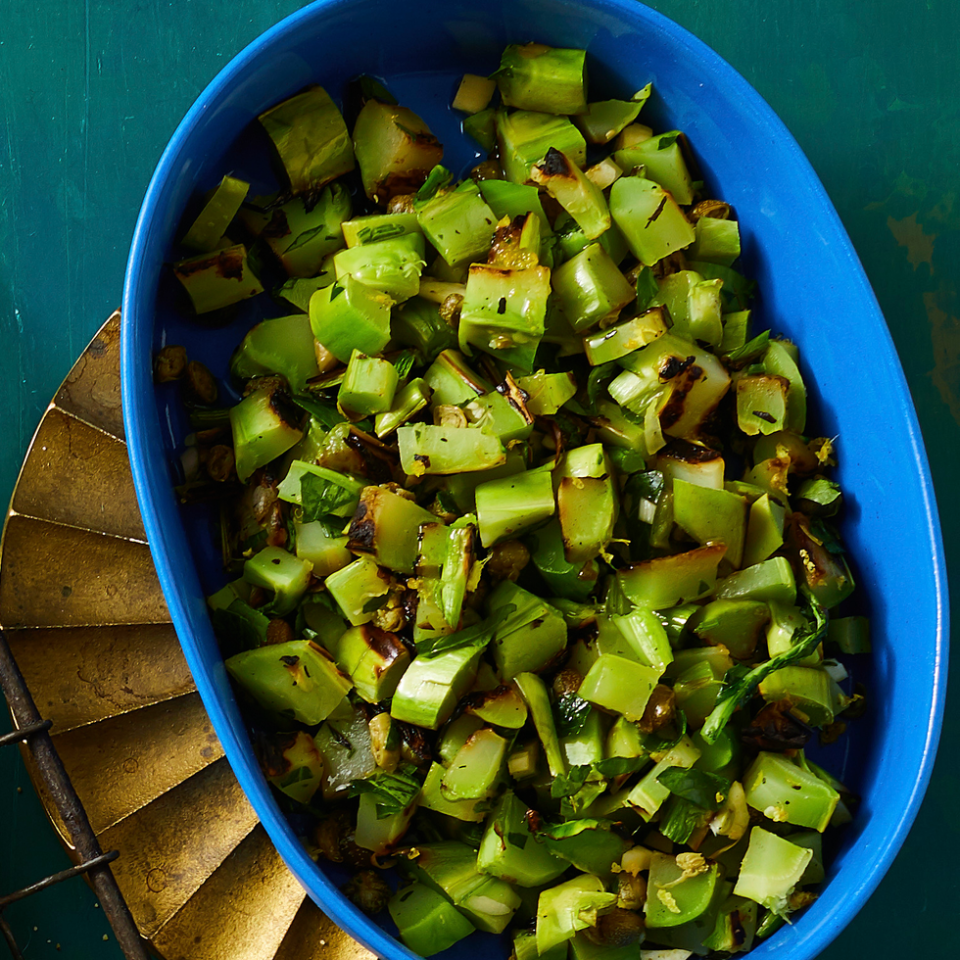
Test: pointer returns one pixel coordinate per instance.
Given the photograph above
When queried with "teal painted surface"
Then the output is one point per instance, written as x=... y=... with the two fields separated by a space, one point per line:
x=90 y=92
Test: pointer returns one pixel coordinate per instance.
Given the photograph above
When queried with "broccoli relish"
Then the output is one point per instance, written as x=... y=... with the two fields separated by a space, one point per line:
x=533 y=573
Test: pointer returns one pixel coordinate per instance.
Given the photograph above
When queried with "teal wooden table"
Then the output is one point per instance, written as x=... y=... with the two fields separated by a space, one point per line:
x=90 y=92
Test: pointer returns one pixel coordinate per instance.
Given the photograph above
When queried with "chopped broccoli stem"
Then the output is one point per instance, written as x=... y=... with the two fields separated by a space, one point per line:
x=482 y=126
x=430 y=688
x=662 y=160
x=474 y=93
x=311 y=139
x=534 y=693
x=426 y=921
x=770 y=870
x=219 y=279
x=368 y=386
x=206 y=232
x=652 y=223
x=590 y=288
x=349 y=315
x=386 y=526
x=676 y=895
x=282 y=345
x=537 y=77
x=428 y=449
x=391 y=266
x=359 y=589
x=786 y=793
x=264 y=426
x=297 y=679
x=395 y=150
x=547 y=392
x=530 y=637
x=508 y=849
x=569 y=907
x=458 y=223
x=525 y=136
x=374 y=659
x=604 y=119
x=621 y=685
x=474 y=771
x=406 y=404
x=574 y=191
x=504 y=311
x=618 y=341
x=512 y=505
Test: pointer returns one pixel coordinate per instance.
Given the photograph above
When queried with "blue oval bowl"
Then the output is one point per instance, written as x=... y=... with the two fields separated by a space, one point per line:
x=812 y=289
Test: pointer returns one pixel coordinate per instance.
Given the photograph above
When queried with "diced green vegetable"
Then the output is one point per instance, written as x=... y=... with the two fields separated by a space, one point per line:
x=525 y=136
x=770 y=870
x=458 y=223
x=206 y=232
x=311 y=139
x=513 y=504
x=538 y=77
x=569 y=907
x=282 y=345
x=219 y=279
x=579 y=196
x=264 y=425
x=426 y=921
x=350 y=316
x=679 y=890
x=395 y=150
x=651 y=221
x=504 y=311
x=390 y=266
x=295 y=679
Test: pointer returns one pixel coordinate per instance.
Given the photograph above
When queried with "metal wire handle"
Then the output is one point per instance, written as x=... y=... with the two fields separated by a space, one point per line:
x=33 y=731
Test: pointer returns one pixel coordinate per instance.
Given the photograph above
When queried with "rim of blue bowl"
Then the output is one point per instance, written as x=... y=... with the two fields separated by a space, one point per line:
x=154 y=491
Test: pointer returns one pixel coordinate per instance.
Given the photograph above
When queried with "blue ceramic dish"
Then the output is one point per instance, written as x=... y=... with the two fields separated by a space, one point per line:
x=813 y=290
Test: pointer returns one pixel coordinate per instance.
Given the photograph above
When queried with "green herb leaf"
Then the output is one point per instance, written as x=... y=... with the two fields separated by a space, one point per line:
x=325 y=413
x=618 y=766
x=739 y=690
x=570 y=714
x=823 y=492
x=568 y=828
x=304 y=238
x=679 y=819
x=647 y=288
x=567 y=786
x=436 y=180
x=571 y=807
x=394 y=792
x=828 y=537
x=321 y=497
x=477 y=636
x=518 y=840
x=751 y=349
x=404 y=364
x=597 y=379
x=697 y=786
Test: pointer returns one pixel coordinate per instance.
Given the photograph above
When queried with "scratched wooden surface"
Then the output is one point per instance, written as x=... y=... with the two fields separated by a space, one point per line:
x=89 y=93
